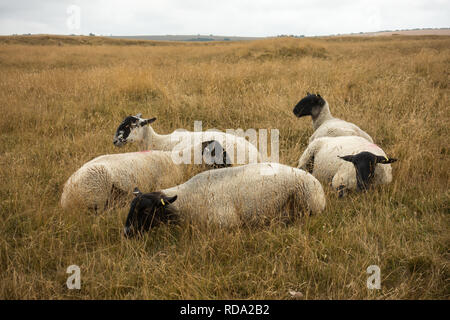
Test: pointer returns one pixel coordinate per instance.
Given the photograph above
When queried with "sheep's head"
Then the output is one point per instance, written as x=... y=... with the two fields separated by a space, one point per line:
x=365 y=163
x=311 y=105
x=148 y=211
x=215 y=155
x=131 y=129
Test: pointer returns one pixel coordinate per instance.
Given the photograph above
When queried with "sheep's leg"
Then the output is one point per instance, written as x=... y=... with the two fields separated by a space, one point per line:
x=306 y=161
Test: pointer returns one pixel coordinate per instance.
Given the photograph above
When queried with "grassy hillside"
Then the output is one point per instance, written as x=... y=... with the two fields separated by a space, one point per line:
x=61 y=104
x=52 y=40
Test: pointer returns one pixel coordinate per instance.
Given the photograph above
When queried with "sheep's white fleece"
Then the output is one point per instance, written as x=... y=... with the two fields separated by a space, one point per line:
x=323 y=153
x=230 y=195
x=245 y=151
x=325 y=125
x=92 y=185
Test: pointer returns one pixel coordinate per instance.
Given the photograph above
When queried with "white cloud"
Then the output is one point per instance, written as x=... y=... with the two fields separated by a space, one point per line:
x=232 y=17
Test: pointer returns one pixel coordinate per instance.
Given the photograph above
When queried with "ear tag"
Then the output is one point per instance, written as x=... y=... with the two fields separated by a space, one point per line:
x=387 y=159
x=163 y=203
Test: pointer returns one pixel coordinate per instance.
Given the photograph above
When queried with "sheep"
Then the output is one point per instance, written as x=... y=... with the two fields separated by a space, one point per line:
x=348 y=162
x=137 y=129
x=324 y=124
x=227 y=197
x=109 y=178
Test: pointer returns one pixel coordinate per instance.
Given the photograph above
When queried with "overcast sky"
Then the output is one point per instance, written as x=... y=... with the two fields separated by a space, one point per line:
x=219 y=17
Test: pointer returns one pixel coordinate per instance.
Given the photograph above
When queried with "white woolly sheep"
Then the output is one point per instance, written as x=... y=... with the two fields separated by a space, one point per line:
x=109 y=178
x=137 y=129
x=229 y=196
x=348 y=162
x=324 y=124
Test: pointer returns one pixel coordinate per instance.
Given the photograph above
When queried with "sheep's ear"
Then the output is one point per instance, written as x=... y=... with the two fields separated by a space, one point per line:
x=348 y=158
x=147 y=121
x=385 y=160
x=137 y=192
x=139 y=115
x=171 y=199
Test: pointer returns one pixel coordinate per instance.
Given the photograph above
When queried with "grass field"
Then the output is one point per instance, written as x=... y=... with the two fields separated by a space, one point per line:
x=61 y=101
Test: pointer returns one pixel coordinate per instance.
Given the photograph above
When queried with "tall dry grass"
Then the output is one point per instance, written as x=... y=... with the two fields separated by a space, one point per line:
x=60 y=105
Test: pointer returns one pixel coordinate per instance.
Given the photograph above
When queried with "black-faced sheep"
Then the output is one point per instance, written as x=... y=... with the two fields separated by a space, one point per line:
x=324 y=124
x=109 y=178
x=228 y=197
x=348 y=162
x=136 y=129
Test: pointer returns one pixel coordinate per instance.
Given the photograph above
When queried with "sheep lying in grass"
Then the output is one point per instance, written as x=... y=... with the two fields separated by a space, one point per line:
x=349 y=162
x=137 y=129
x=228 y=196
x=111 y=178
x=324 y=124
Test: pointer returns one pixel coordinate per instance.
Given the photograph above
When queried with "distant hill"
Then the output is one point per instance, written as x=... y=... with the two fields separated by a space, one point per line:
x=187 y=38
x=206 y=38
x=409 y=32
x=184 y=40
x=50 y=39
x=47 y=39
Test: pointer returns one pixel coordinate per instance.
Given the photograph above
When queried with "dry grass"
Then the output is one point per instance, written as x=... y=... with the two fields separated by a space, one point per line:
x=60 y=106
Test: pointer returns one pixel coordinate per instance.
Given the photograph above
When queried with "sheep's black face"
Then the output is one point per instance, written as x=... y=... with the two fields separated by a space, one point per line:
x=148 y=211
x=365 y=163
x=124 y=129
x=215 y=155
x=129 y=125
x=311 y=105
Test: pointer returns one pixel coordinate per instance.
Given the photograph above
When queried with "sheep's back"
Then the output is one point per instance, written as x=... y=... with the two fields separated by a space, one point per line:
x=337 y=128
x=233 y=144
x=147 y=170
x=92 y=185
x=229 y=195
